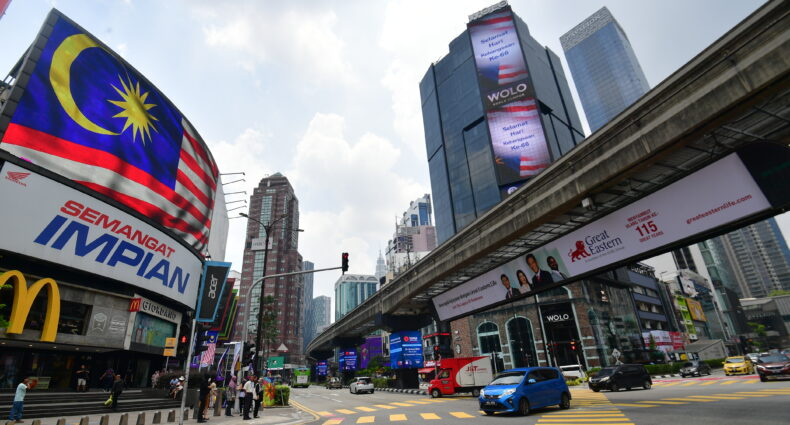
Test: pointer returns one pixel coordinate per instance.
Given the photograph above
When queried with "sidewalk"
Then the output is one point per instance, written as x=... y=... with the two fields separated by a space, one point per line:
x=271 y=416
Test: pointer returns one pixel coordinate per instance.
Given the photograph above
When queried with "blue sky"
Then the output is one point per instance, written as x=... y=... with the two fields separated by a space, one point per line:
x=326 y=92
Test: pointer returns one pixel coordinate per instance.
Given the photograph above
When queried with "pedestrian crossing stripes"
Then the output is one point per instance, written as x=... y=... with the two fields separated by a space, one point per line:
x=587 y=408
x=706 y=382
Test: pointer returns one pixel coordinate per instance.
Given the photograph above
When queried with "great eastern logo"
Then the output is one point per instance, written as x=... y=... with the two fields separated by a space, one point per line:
x=17 y=177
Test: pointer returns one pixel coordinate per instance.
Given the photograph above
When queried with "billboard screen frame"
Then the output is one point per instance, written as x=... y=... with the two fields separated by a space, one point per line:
x=518 y=115
x=485 y=290
x=25 y=68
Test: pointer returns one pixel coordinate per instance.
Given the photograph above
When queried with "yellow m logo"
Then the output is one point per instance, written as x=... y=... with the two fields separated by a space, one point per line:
x=23 y=301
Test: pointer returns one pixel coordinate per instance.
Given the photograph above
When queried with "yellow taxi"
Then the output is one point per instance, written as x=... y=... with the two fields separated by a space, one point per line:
x=738 y=364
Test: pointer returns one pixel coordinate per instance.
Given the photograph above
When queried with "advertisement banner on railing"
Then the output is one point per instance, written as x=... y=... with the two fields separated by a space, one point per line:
x=713 y=196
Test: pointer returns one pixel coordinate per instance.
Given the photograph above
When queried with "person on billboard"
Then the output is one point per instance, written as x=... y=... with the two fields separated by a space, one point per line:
x=523 y=281
x=540 y=277
x=554 y=267
x=510 y=290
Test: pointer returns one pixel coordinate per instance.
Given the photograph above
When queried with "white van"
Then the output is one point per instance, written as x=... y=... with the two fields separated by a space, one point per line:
x=573 y=371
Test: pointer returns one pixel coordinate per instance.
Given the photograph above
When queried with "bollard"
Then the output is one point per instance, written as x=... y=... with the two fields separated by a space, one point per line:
x=105 y=420
x=196 y=414
x=141 y=418
x=171 y=416
x=62 y=421
x=157 y=418
x=186 y=413
x=218 y=404
x=124 y=419
x=85 y=420
x=37 y=422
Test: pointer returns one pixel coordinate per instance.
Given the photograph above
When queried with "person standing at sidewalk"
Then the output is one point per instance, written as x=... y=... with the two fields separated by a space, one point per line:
x=19 y=402
x=83 y=374
x=249 y=390
x=230 y=396
x=203 y=399
x=117 y=389
x=258 y=396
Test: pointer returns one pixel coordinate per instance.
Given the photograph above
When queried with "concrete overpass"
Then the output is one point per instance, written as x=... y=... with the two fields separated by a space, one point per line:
x=736 y=92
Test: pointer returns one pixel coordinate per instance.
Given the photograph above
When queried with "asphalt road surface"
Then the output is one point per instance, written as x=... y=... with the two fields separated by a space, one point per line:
x=705 y=400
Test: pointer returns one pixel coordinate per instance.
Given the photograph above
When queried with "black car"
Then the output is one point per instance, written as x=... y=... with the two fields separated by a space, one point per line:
x=621 y=376
x=694 y=367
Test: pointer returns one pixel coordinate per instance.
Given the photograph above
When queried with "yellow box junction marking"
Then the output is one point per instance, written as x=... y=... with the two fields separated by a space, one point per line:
x=365 y=409
x=396 y=418
x=461 y=415
x=366 y=419
x=429 y=416
x=345 y=411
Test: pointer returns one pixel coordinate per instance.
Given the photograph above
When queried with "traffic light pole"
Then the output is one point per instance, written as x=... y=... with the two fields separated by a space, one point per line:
x=186 y=379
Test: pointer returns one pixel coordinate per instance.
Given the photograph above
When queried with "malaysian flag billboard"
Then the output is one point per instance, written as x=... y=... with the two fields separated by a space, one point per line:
x=512 y=112
x=79 y=110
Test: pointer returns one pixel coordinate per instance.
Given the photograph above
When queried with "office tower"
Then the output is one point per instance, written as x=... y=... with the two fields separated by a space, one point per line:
x=755 y=257
x=322 y=310
x=307 y=303
x=605 y=71
x=381 y=267
x=274 y=202
x=351 y=290
x=414 y=238
x=492 y=124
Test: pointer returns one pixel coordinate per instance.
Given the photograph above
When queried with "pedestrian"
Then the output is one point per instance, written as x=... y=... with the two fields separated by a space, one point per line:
x=19 y=402
x=203 y=399
x=117 y=389
x=83 y=375
x=107 y=379
x=258 y=396
x=212 y=393
x=230 y=396
x=249 y=390
x=154 y=379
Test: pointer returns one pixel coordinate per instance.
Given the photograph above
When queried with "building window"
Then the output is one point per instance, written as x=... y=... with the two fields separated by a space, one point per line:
x=522 y=342
x=488 y=341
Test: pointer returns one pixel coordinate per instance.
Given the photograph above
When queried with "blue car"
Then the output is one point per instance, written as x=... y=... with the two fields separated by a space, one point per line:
x=521 y=390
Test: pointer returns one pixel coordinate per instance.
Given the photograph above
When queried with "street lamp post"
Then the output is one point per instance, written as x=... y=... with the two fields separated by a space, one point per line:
x=267 y=228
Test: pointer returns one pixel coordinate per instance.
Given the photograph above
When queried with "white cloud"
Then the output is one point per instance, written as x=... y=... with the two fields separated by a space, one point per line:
x=412 y=52
x=350 y=192
x=304 y=41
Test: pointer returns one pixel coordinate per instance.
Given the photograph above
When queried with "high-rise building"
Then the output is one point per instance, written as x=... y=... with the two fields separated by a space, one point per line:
x=414 y=238
x=351 y=290
x=322 y=311
x=756 y=257
x=307 y=304
x=492 y=124
x=607 y=75
x=381 y=267
x=274 y=201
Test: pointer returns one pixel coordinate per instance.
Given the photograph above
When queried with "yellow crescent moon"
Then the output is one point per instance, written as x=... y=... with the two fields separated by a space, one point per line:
x=60 y=77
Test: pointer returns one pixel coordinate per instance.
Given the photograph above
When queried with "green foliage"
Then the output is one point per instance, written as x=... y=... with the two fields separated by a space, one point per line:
x=652 y=343
x=281 y=395
x=593 y=370
x=715 y=363
x=3 y=308
x=375 y=367
x=269 y=323
x=778 y=292
x=574 y=382
x=380 y=382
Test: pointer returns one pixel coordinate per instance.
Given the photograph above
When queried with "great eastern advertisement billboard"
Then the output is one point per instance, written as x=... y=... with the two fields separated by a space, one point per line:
x=49 y=220
x=721 y=193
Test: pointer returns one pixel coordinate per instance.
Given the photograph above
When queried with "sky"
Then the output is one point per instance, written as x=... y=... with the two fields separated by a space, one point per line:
x=326 y=92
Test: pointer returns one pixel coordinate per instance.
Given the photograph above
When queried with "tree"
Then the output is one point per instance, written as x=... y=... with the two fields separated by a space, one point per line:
x=759 y=329
x=778 y=292
x=269 y=327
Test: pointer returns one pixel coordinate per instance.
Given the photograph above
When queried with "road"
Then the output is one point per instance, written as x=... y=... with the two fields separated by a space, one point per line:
x=707 y=400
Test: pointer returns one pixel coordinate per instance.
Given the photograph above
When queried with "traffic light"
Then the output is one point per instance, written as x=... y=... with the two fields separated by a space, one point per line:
x=573 y=344
x=436 y=352
x=344 y=262
x=200 y=342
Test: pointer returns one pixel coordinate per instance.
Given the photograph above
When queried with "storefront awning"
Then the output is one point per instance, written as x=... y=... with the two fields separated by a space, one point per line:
x=425 y=370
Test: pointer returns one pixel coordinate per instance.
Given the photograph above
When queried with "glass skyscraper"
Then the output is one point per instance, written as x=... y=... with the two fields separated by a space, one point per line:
x=461 y=160
x=604 y=67
x=351 y=290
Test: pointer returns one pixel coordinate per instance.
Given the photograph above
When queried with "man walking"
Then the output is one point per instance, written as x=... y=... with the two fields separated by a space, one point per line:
x=19 y=402
x=83 y=374
x=117 y=389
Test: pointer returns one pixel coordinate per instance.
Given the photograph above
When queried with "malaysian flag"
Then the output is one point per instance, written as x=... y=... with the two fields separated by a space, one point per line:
x=88 y=115
x=208 y=355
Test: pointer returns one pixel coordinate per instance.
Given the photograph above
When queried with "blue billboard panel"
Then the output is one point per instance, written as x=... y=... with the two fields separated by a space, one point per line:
x=348 y=359
x=406 y=350
x=321 y=368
